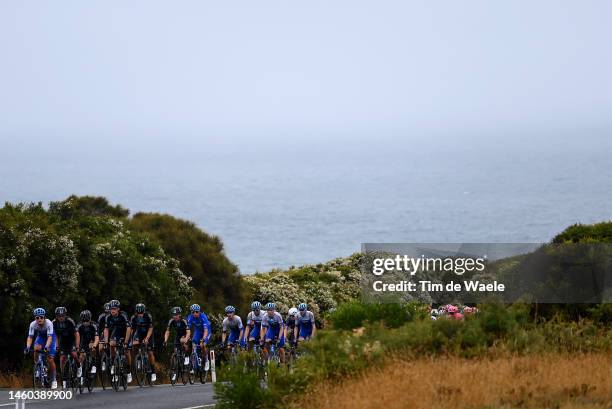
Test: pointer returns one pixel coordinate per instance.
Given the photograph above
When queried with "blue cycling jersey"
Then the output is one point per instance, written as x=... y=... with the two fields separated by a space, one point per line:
x=198 y=323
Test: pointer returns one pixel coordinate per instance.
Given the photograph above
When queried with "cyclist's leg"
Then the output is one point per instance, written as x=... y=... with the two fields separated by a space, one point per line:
x=150 y=347
x=281 y=347
x=51 y=358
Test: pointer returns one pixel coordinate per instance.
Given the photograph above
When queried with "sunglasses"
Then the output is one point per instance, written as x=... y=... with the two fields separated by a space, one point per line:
x=40 y=317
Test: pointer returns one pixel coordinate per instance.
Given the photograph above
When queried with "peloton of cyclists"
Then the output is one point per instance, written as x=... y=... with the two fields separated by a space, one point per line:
x=113 y=325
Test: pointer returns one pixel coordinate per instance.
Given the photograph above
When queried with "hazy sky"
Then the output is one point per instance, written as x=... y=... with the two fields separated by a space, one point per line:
x=249 y=74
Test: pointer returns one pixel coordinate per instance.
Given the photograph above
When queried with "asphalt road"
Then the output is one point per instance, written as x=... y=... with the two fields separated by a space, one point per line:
x=156 y=397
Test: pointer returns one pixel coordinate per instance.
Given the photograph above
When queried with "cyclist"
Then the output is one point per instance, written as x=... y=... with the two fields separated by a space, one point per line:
x=118 y=327
x=201 y=331
x=102 y=326
x=142 y=332
x=87 y=337
x=273 y=330
x=42 y=335
x=66 y=333
x=232 y=324
x=290 y=325
x=253 y=328
x=305 y=327
x=182 y=332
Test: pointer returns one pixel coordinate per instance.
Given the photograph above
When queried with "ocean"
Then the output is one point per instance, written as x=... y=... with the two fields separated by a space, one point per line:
x=283 y=209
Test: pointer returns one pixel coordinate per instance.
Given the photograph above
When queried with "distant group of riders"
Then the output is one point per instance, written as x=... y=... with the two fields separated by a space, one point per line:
x=113 y=328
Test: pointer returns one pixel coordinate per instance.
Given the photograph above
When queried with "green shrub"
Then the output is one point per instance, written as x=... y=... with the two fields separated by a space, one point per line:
x=354 y=314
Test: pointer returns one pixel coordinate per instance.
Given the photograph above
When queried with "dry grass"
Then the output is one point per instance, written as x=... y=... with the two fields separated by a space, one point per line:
x=15 y=381
x=549 y=381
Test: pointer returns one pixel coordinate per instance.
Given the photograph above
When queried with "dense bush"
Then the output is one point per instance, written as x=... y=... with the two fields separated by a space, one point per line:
x=322 y=286
x=215 y=278
x=354 y=314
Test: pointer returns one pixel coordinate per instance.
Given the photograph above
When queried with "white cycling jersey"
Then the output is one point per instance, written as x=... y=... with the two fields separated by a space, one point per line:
x=254 y=319
x=40 y=330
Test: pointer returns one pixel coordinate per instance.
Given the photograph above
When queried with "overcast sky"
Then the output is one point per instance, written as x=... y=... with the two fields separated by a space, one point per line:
x=252 y=73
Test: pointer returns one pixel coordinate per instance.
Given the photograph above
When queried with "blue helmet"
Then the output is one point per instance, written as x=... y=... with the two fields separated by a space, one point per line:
x=270 y=306
x=230 y=308
x=302 y=307
x=39 y=312
x=194 y=308
x=256 y=305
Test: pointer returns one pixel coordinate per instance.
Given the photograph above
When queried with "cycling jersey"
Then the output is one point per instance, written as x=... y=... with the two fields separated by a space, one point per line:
x=66 y=334
x=275 y=321
x=305 y=322
x=141 y=324
x=180 y=329
x=117 y=325
x=102 y=324
x=87 y=333
x=197 y=326
x=40 y=333
x=234 y=326
x=254 y=322
x=273 y=325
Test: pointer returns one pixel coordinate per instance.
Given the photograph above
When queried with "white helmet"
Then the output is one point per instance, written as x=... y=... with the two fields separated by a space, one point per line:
x=293 y=311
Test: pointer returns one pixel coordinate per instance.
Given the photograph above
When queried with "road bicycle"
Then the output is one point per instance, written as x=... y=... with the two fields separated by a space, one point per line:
x=105 y=366
x=87 y=379
x=70 y=380
x=178 y=369
x=272 y=359
x=40 y=373
x=143 y=366
x=197 y=366
x=119 y=367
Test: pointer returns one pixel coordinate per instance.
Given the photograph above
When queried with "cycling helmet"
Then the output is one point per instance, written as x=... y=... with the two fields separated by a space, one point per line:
x=39 y=312
x=229 y=309
x=434 y=312
x=194 y=308
x=270 y=306
x=452 y=309
x=60 y=311
x=175 y=310
x=106 y=307
x=302 y=307
x=293 y=311
x=256 y=305
x=114 y=304
x=140 y=308
x=85 y=315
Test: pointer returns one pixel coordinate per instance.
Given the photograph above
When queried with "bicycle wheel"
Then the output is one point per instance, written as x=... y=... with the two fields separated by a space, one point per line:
x=38 y=381
x=81 y=379
x=183 y=369
x=115 y=373
x=148 y=369
x=124 y=371
x=174 y=368
x=140 y=369
x=89 y=377
x=104 y=373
